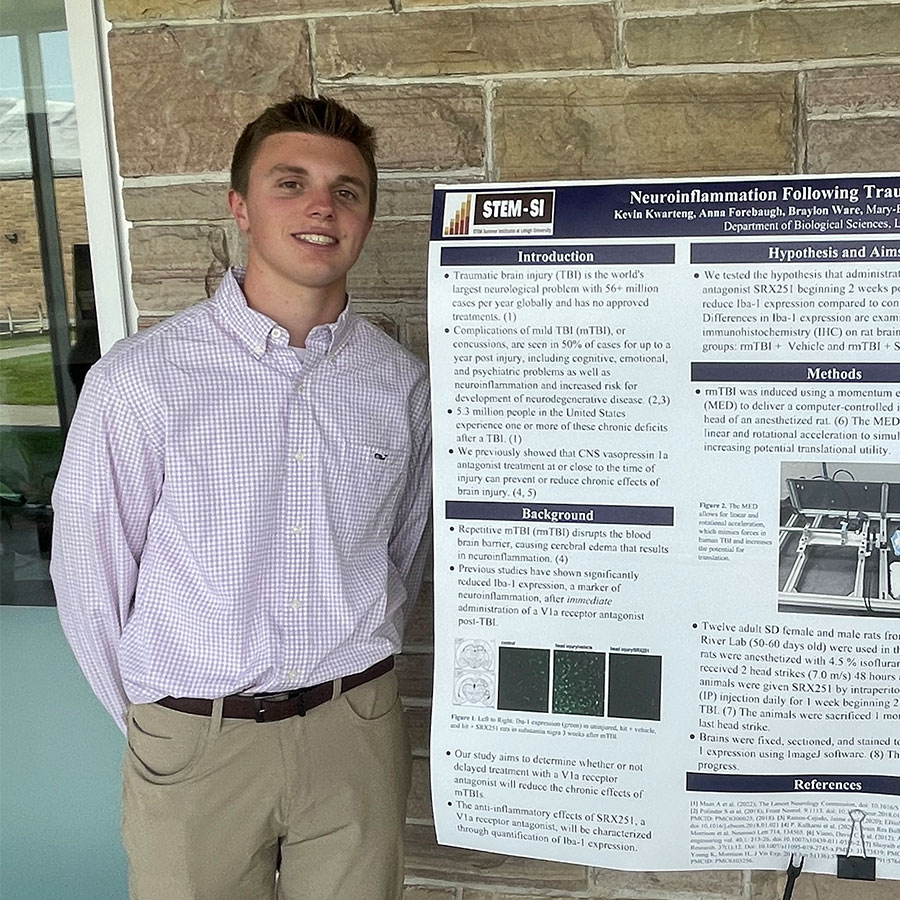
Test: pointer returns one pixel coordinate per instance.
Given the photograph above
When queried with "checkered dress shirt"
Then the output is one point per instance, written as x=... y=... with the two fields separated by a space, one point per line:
x=230 y=517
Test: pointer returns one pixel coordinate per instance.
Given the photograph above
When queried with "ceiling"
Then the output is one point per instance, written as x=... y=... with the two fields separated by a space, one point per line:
x=18 y=16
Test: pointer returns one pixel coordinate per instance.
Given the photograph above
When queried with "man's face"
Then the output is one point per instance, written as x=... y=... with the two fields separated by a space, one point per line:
x=306 y=212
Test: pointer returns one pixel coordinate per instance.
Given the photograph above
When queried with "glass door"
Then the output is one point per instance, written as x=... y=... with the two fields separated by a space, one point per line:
x=48 y=315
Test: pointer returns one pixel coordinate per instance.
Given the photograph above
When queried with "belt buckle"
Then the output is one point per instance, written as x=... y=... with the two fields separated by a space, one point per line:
x=259 y=701
x=260 y=709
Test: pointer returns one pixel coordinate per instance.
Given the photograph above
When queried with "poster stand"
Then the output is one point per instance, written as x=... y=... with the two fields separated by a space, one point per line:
x=793 y=872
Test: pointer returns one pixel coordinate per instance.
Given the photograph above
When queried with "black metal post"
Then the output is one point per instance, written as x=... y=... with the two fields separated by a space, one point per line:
x=48 y=224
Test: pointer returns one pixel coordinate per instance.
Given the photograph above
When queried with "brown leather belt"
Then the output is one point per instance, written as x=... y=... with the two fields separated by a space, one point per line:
x=274 y=707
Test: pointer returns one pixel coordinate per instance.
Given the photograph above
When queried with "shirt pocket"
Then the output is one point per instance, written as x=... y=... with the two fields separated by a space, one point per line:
x=366 y=479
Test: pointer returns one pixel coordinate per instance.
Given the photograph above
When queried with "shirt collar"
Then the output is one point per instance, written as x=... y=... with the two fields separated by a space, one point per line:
x=258 y=332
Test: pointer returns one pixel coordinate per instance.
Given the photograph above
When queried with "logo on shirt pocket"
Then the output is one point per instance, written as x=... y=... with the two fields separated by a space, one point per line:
x=368 y=479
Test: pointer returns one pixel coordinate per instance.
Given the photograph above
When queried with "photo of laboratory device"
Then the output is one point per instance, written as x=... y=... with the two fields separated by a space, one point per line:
x=839 y=540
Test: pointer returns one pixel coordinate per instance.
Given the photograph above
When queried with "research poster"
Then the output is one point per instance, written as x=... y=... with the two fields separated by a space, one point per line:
x=667 y=522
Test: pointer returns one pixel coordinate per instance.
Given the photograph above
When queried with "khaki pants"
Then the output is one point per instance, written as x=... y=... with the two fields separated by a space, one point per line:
x=208 y=802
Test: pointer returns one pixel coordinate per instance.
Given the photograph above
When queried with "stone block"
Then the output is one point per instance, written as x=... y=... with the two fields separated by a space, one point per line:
x=853 y=145
x=472 y=41
x=416 y=4
x=380 y=319
x=183 y=95
x=420 y=627
x=660 y=6
x=418 y=805
x=145 y=322
x=654 y=125
x=415 y=673
x=398 y=198
x=765 y=884
x=417 y=337
x=392 y=318
x=420 y=126
x=868 y=89
x=403 y=198
x=469 y=894
x=413 y=331
x=765 y=35
x=237 y=243
x=154 y=10
x=418 y=723
x=306 y=7
x=174 y=266
x=413 y=892
x=393 y=263
x=612 y=884
x=200 y=201
x=826 y=887
x=426 y=859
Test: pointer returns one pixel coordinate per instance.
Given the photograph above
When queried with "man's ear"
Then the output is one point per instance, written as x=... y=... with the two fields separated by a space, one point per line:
x=238 y=207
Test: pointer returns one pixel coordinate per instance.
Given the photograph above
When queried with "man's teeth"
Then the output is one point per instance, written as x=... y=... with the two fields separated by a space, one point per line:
x=316 y=238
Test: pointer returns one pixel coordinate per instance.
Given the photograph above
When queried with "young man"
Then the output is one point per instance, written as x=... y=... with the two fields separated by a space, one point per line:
x=238 y=541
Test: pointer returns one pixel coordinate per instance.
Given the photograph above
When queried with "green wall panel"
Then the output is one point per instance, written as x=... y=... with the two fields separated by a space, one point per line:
x=60 y=759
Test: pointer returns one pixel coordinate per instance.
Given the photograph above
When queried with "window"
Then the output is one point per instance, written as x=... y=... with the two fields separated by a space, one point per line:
x=50 y=323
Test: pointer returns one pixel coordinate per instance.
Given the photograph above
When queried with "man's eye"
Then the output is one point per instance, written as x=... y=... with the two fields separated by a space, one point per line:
x=290 y=184
x=346 y=194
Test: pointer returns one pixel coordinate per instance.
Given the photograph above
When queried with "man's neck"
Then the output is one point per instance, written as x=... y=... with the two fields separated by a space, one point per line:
x=295 y=308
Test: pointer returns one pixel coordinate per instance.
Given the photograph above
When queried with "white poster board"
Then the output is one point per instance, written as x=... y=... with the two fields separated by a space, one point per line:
x=667 y=501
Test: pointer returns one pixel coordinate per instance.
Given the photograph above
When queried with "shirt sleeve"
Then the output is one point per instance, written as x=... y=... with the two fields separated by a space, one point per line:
x=108 y=485
x=409 y=543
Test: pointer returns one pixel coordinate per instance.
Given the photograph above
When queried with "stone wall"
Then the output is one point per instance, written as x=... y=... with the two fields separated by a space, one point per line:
x=21 y=272
x=469 y=91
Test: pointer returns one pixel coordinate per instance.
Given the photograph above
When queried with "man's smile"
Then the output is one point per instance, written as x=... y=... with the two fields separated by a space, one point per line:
x=311 y=238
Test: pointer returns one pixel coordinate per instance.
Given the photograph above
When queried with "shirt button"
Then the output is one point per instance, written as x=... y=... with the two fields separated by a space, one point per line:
x=299 y=456
x=299 y=387
x=296 y=603
x=297 y=529
x=293 y=676
x=277 y=332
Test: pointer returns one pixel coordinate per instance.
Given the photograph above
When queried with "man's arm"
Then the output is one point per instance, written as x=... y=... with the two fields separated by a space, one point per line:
x=108 y=484
x=408 y=547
